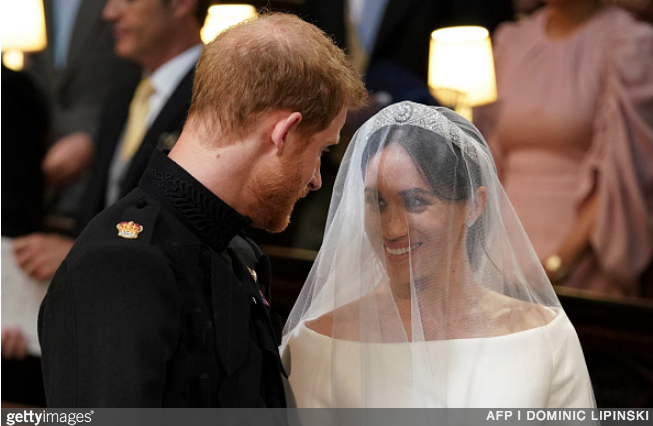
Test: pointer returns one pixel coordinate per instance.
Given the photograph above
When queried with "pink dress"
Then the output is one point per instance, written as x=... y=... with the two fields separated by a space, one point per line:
x=572 y=115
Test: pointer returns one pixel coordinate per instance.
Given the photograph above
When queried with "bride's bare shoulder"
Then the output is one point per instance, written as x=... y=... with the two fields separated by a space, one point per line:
x=322 y=325
x=517 y=315
x=345 y=319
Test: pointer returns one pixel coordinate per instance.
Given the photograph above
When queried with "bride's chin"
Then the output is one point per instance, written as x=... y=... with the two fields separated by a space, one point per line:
x=399 y=278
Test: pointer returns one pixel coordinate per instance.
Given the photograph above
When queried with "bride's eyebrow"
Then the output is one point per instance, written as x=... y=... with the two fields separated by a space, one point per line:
x=416 y=192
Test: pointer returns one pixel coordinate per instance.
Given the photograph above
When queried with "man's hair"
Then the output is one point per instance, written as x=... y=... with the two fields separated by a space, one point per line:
x=273 y=62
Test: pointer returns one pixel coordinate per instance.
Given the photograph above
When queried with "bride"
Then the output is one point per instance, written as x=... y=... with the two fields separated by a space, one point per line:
x=426 y=291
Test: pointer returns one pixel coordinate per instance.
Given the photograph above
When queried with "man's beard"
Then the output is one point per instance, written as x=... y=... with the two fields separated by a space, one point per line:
x=276 y=191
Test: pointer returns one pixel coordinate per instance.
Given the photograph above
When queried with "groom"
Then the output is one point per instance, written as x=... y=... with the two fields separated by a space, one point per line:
x=162 y=300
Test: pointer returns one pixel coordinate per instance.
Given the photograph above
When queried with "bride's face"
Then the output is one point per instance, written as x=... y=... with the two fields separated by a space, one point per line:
x=406 y=223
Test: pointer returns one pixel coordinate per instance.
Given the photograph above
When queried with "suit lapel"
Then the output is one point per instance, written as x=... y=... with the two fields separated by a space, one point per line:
x=397 y=13
x=49 y=19
x=112 y=128
x=84 y=33
x=231 y=313
x=46 y=57
x=166 y=126
x=113 y=121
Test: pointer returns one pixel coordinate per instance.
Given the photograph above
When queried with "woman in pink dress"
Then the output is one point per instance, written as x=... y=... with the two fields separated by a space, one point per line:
x=572 y=134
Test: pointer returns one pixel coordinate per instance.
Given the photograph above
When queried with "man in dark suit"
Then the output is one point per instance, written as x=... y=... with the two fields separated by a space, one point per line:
x=388 y=41
x=163 y=37
x=77 y=71
x=163 y=301
x=393 y=49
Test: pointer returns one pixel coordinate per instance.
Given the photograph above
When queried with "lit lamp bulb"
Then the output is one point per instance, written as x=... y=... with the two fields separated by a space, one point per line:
x=22 y=29
x=222 y=16
x=461 y=68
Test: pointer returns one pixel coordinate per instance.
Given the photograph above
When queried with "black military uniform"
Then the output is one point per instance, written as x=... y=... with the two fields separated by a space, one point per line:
x=166 y=311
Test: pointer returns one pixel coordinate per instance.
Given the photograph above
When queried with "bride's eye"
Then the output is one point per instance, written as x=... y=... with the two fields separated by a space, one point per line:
x=375 y=201
x=416 y=204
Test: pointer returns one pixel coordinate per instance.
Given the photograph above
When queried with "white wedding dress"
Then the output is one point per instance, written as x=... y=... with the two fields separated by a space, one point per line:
x=538 y=368
x=426 y=291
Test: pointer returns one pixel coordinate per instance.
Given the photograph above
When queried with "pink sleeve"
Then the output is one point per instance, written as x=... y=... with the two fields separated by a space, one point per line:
x=620 y=162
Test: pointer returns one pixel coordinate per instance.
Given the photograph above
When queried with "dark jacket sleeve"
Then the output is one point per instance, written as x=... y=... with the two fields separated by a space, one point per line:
x=108 y=326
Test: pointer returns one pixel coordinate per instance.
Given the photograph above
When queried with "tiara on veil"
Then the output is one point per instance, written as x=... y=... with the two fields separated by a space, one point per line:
x=427 y=117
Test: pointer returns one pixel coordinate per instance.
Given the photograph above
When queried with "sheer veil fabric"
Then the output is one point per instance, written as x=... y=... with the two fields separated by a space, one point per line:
x=426 y=291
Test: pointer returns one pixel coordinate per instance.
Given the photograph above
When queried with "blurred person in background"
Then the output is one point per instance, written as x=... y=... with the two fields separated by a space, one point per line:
x=572 y=134
x=77 y=71
x=163 y=37
x=24 y=134
x=388 y=42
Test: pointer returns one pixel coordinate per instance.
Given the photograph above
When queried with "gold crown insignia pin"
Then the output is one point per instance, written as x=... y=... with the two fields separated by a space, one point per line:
x=129 y=230
x=252 y=273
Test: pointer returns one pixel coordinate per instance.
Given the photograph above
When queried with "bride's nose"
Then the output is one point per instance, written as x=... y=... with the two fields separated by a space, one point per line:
x=394 y=223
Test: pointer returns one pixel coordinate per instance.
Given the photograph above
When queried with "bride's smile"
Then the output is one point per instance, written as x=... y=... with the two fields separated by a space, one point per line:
x=397 y=253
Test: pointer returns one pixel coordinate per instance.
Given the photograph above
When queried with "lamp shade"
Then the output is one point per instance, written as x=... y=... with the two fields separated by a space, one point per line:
x=461 y=67
x=222 y=16
x=22 y=25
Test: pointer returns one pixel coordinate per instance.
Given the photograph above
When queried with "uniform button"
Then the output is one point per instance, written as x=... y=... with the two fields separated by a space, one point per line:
x=254 y=300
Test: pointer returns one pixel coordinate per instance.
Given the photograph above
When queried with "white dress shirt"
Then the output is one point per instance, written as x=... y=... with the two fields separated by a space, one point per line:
x=165 y=80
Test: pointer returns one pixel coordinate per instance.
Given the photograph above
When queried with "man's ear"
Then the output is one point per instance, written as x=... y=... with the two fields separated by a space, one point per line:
x=282 y=128
x=478 y=205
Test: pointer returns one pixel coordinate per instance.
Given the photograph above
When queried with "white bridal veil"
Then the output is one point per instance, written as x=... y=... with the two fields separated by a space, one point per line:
x=426 y=291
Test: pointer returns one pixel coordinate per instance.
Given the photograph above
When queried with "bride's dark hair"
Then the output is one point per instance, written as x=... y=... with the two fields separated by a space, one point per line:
x=452 y=175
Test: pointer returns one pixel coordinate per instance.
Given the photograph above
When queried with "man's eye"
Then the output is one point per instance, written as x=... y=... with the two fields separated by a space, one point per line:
x=325 y=150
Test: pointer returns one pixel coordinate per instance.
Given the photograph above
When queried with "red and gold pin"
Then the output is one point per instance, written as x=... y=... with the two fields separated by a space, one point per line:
x=129 y=230
x=264 y=299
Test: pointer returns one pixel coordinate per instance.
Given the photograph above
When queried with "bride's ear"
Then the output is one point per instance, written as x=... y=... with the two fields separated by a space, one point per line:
x=477 y=205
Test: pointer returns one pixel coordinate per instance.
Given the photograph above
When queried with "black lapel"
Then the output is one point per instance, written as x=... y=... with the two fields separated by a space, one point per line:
x=48 y=10
x=231 y=313
x=168 y=124
x=113 y=119
x=43 y=67
x=397 y=13
x=88 y=23
x=263 y=327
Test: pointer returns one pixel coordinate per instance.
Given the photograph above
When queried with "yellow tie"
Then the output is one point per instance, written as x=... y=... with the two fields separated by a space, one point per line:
x=137 y=121
x=355 y=50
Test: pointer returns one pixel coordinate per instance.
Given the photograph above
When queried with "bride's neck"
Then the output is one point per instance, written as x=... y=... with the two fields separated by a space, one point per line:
x=437 y=290
x=443 y=305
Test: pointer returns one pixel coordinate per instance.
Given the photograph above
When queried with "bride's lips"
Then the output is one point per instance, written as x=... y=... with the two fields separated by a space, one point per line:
x=398 y=253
